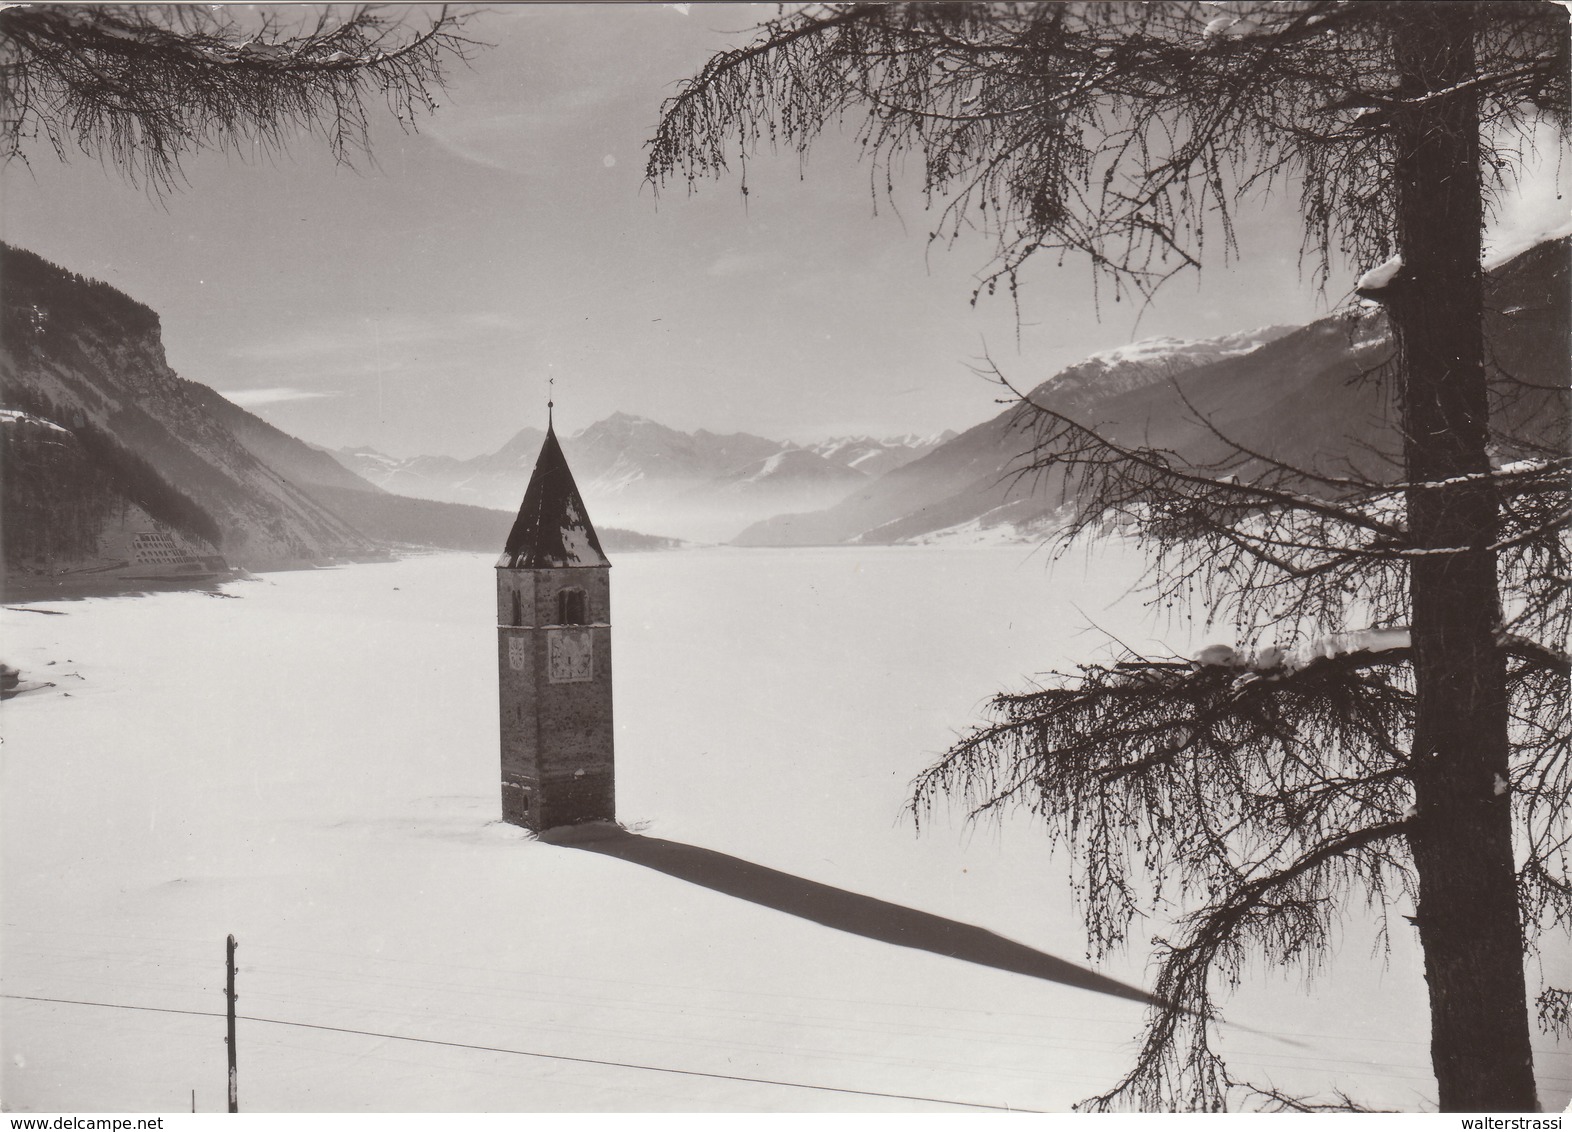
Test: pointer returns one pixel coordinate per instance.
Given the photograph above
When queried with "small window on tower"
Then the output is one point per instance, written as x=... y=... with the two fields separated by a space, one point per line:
x=571 y=607
x=518 y=609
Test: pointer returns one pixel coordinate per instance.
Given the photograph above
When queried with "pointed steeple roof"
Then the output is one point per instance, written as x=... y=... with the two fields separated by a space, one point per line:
x=553 y=528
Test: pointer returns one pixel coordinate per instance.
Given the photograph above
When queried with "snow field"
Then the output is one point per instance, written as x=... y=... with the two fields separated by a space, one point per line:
x=312 y=766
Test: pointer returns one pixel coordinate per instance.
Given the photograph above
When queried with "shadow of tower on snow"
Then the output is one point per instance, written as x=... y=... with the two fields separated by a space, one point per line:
x=836 y=907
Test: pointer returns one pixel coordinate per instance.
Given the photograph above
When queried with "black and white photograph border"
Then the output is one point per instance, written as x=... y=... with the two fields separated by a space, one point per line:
x=866 y=558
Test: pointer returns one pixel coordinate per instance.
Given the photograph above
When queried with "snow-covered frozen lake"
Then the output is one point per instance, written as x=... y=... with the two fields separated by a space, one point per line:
x=310 y=763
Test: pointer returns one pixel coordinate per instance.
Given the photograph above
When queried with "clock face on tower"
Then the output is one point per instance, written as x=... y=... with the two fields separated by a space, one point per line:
x=570 y=656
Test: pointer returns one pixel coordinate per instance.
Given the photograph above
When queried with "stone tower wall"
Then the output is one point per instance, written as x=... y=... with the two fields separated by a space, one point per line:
x=557 y=738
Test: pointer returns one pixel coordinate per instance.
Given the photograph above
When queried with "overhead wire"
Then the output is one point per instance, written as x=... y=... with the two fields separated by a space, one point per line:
x=529 y=1053
x=682 y=987
x=686 y=1009
x=1393 y=1070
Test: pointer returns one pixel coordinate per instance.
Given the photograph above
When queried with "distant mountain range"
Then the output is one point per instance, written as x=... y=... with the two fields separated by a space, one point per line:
x=635 y=472
x=111 y=464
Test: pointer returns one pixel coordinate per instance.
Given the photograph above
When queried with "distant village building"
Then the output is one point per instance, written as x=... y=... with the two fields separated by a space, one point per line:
x=554 y=656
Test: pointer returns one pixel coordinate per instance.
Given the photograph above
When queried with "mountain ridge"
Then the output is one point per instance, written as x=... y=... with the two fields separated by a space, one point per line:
x=78 y=353
x=117 y=467
x=637 y=472
x=1307 y=395
x=97 y=357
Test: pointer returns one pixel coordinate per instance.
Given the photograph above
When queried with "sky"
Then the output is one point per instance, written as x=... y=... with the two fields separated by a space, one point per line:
x=424 y=304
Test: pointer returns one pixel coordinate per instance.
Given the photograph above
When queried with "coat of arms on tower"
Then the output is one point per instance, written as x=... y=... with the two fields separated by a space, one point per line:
x=570 y=655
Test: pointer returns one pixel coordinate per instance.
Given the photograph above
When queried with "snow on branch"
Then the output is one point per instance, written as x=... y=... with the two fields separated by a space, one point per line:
x=1379 y=278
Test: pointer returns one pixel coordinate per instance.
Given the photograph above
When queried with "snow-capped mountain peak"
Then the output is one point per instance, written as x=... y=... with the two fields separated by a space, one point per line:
x=641 y=473
x=874 y=455
x=1131 y=366
x=1164 y=349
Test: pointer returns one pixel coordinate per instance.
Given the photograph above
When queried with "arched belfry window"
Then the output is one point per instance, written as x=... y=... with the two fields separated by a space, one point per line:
x=518 y=609
x=571 y=607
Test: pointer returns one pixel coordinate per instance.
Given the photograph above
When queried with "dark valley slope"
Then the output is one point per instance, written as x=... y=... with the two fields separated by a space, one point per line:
x=115 y=466
x=1315 y=397
x=94 y=358
x=74 y=500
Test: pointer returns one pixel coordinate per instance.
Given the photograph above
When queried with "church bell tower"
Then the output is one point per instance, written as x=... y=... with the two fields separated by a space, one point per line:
x=554 y=657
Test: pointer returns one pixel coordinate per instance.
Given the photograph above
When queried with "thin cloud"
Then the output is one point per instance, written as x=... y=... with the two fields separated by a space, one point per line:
x=275 y=395
x=731 y=262
x=369 y=345
x=1535 y=207
x=353 y=339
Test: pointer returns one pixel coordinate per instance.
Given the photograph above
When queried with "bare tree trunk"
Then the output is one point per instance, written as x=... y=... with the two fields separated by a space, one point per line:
x=1468 y=914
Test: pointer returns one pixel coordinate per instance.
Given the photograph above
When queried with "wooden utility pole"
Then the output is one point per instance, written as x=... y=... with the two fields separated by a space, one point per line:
x=234 y=1092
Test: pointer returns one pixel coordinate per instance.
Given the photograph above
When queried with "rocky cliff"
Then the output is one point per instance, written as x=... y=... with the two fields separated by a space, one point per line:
x=79 y=353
